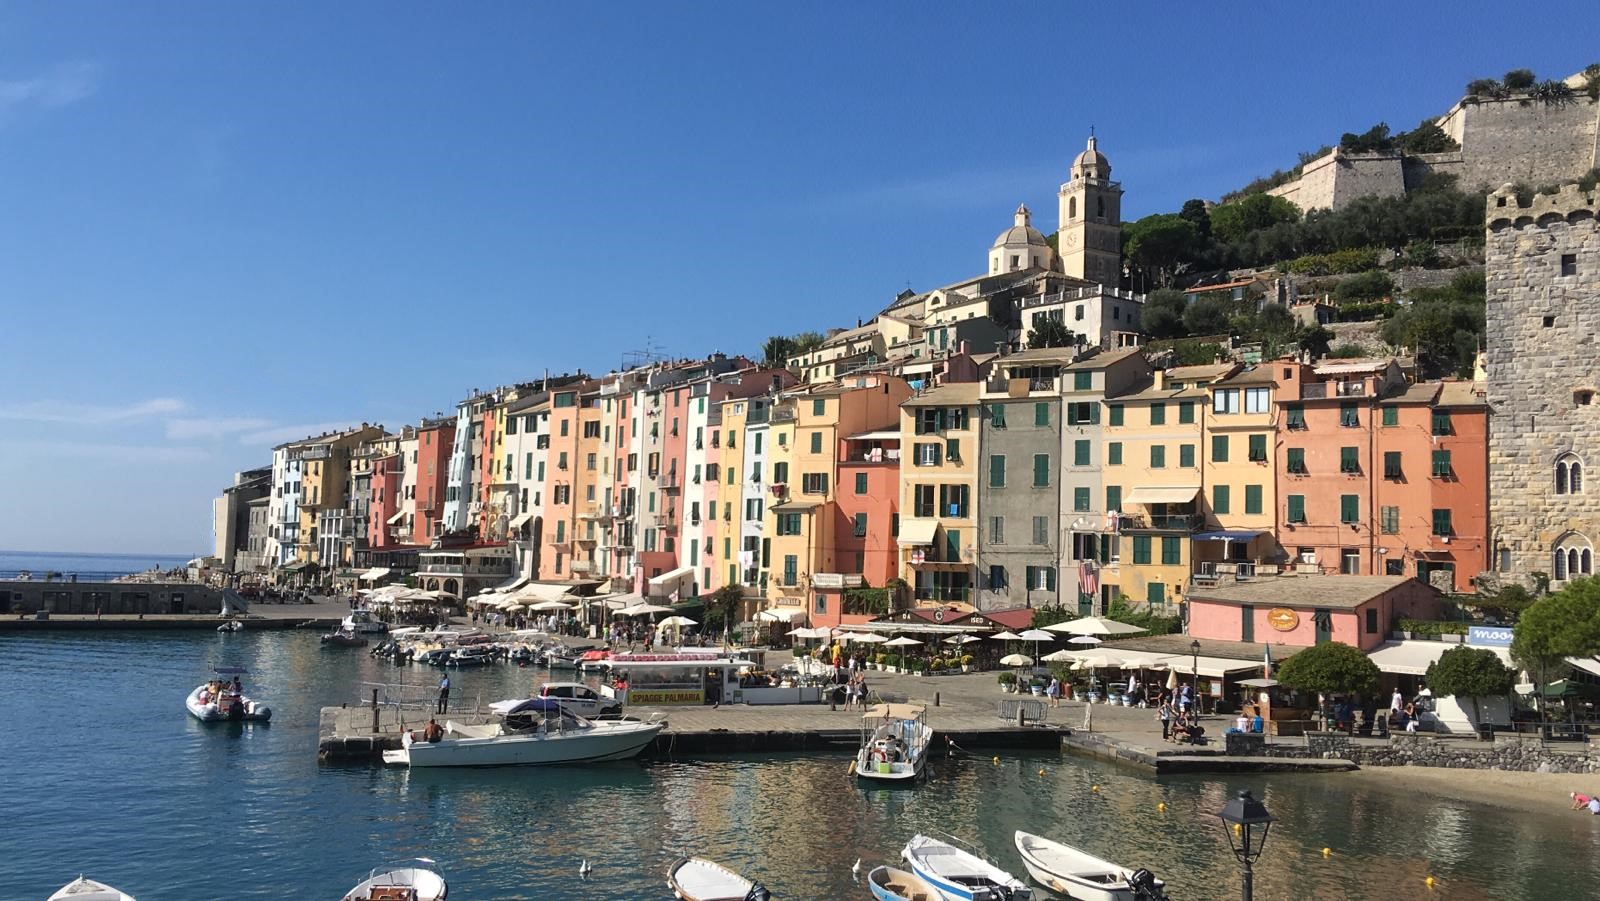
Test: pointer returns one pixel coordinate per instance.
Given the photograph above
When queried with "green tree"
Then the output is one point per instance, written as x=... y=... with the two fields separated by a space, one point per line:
x=1519 y=79
x=1314 y=339
x=1443 y=325
x=1207 y=316
x=806 y=341
x=1470 y=673
x=1331 y=668
x=1163 y=314
x=1559 y=625
x=1160 y=244
x=776 y=351
x=1507 y=603
x=1049 y=332
x=1374 y=140
x=1427 y=137
x=1232 y=221
x=1372 y=285
x=723 y=607
x=1196 y=213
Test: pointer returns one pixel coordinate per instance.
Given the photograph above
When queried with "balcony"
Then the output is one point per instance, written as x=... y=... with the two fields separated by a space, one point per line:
x=582 y=566
x=443 y=569
x=595 y=512
x=1139 y=522
x=880 y=456
x=585 y=539
x=1323 y=390
x=670 y=482
x=959 y=594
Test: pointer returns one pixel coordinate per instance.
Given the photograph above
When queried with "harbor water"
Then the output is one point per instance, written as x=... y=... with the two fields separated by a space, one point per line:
x=105 y=774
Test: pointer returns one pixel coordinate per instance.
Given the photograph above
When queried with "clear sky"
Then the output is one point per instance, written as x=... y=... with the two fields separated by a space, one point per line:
x=224 y=226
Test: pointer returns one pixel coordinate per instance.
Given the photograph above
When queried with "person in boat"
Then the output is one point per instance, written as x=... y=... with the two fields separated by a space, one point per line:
x=433 y=732
x=238 y=688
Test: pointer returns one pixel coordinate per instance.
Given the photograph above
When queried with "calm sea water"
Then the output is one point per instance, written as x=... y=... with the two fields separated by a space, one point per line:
x=41 y=562
x=104 y=773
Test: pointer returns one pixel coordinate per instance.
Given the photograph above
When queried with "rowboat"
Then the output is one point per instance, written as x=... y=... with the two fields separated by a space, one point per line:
x=1080 y=875
x=894 y=745
x=698 y=879
x=85 y=889
x=412 y=880
x=959 y=874
x=890 y=884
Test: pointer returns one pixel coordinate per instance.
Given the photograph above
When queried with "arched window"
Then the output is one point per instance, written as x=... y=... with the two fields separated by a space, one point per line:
x=1100 y=207
x=1561 y=566
x=1072 y=207
x=1569 y=474
x=1572 y=557
x=1575 y=477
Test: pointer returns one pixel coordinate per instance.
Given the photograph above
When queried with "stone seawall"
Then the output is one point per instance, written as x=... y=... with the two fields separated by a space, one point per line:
x=1511 y=753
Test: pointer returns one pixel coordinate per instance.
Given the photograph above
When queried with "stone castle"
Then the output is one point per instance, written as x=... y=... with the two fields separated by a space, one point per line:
x=1543 y=271
x=1514 y=138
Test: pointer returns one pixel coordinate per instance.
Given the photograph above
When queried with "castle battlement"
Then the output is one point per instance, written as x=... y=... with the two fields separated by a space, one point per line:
x=1505 y=208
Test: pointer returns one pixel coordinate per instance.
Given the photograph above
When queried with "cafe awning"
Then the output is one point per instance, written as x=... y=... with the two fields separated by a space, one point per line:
x=1412 y=658
x=520 y=520
x=1160 y=496
x=1245 y=535
x=778 y=614
x=917 y=532
x=375 y=573
x=397 y=517
x=668 y=582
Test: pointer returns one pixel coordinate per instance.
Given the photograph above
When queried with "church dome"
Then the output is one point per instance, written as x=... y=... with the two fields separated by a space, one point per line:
x=1091 y=163
x=1021 y=233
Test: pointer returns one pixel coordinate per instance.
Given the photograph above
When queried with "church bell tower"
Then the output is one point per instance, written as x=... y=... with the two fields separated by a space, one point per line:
x=1091 y=220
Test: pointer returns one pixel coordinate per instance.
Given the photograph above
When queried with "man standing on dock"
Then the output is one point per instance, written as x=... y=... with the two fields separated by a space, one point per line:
x=444 y=694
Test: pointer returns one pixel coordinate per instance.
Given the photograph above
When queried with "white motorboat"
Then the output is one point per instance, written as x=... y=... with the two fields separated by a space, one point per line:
x=220 y=699
x=535 y=731
x=895 y=743
x=85 y=889
x=960 y=874
x=1068 y=871
x=412 y=880
x=231 y=625
x=363 y=622
x=890 y=884
x=698 y=879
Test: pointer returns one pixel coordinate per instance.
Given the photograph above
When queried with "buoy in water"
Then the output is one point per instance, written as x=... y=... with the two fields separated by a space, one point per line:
x=1094 y=788
x=1327 y=852
x=1162 y=807
x=1428 y=882
x=1041 y=772
x=997 y=760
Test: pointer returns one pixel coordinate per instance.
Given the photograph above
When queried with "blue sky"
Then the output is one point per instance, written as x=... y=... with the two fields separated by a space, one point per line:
x=222 y=227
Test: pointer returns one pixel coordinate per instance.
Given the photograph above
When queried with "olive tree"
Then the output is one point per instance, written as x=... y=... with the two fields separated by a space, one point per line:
x=1331 y=668
x=1470 y=673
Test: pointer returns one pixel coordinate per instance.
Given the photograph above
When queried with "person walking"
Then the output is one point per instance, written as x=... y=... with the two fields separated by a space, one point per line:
x=1053 y=691
x=444 y=694
x=1164 y=713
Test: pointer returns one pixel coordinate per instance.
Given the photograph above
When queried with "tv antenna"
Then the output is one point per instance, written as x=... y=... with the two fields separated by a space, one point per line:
x=652 y=353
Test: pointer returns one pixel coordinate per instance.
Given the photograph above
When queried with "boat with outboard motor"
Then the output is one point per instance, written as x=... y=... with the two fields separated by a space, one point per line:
x=411 y=880
x=85 y=889
x=890 y=884
x=341 y=638
x=363 y=622
x=698 y=879
x=220 y=699
x=1068 y=871
x=961 y=874
x=527 y=732
x=895 y=742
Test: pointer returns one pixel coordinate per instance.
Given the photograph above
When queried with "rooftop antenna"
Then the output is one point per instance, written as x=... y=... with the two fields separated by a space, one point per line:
x=651 y=353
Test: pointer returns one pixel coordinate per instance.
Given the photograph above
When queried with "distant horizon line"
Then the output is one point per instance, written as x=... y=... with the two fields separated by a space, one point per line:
x=91 y=554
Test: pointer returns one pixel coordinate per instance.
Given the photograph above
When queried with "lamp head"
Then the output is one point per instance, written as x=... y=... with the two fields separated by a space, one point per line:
x=1246 y=823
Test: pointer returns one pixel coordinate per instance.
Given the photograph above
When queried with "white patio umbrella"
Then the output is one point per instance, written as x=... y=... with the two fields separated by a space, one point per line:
x=1060 y=656
x=643 y=609
x=551 y=605
x=962 y=639
x=901 y=642
x=1094 y=625
x=1083 y=639
x=1036 y=636
x=1016 y=660
x=870 y=638
x=1005 y=636
x=848 y=637
x=676 y=622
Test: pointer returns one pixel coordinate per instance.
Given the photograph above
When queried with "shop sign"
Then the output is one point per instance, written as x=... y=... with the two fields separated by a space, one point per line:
x=683 y=696
x=1283 y=619
x=1489 y=636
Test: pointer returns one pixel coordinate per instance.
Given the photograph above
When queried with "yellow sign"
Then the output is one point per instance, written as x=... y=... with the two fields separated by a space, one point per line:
x=1283 y=619
x=680 y=696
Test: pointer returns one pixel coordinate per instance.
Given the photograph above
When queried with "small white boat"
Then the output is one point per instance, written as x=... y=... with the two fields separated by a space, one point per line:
x=890 y=884
x=219 y=700
x=412 y=880
x=698 y=879
x=959 y=874
x=1067 y=871
x=231 y=625
x=895 y=743
x=344 y=638
x=363 y=622
x=84 y=889
x=535 y=731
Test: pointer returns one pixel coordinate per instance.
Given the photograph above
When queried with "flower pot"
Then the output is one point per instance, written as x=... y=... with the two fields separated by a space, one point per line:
x=966 y=667
x=891 y=668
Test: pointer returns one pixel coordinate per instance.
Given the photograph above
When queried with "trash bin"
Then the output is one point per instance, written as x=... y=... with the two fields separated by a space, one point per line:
x=594 y=631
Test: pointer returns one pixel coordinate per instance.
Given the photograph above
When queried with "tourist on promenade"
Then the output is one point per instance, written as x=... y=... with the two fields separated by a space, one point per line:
x=1164 y=713
x=444 y=694
x=1396 y=702
x=1053 y=691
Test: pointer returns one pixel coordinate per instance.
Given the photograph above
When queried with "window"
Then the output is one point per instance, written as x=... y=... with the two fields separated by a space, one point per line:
x=1569 y=475
x=1372 y=620
x=1441 y=522
x=791 y=569
x=860 y=526
x=1349 y=508
x=1258 y=448
x=1295 y=416
x=1171 y=550
x=997 y=578
x=1114 y=498
x=953 y=501
x=1569 y=264
x=1256 y=400
x=1083 y=380
x=1114 y=453
x=1083 y=413
x=1389 y=520
x=1296 y=464
x=1573 y=557
x=1141 y=550
x=1350 y=460
x=1252 y=500
x=1296 y=508
x=1158 y=456
x=1225 y=401
x=1391 y=464
x=1349 y=416
x=1391 y=417
x=952 y=450
x=1441 y=464
x=997 y=530
x=1041 y=414
x=997 y=470
x=1186 y=456
x=861 y=483
x=1186 y=411
x=1349 y=562
x=922 y=501
x=1115 y=414
x=1549 y=322
x=788 y=524
x=1041 y=470
x=819 y=407
x=814 y=483
x=1441 y=422
x=1155 y=593
x=1219 y=448
x=1041 y=530
x=1158 y=414
x=1041 y=578
x=780 y=473
x=816 y=442
x=1080 y=500
x=1219 y=499
x=997 y=416
x=927 y=454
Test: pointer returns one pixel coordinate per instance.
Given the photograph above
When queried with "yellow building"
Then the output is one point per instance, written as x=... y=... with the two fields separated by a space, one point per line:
x=1238 y=474
x=326 y=486
x=938 y=494
x=788 y=525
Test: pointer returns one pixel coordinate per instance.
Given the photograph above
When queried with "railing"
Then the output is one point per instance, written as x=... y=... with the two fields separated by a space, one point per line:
x=442 y=569
x=1318 y=390
x=1175 y=523
x=890 y=455
x=936 y=593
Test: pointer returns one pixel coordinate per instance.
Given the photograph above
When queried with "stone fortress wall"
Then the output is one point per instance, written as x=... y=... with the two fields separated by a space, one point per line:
x=1543 y=371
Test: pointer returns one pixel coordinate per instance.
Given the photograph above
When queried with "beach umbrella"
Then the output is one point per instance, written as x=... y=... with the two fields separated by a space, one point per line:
x=551 y=605
x=1006 y=636
x=1060 y=656
x=1036 y=636
x=1083 y=639
x=643 y=609
x=962 y=639
x=901 y=642
x=1016 y=660
x=677 y=622
x=1094 y=625
x=870 y=638
x=848 y=637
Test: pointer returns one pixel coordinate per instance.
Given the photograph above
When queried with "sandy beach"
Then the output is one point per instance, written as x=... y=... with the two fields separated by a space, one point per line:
x=1528 y=792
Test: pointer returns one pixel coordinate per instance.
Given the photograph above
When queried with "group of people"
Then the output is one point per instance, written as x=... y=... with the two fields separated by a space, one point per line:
x=855 y=691
x=1180 y=722
x=221 y=691
x=1584 y=802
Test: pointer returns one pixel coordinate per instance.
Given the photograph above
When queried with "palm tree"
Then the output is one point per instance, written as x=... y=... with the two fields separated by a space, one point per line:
x=776 y=351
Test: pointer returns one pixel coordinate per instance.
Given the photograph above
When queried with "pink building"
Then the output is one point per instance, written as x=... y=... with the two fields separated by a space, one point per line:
x=1303 y=610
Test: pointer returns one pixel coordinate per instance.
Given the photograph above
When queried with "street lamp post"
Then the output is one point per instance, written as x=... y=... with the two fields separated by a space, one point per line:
x=1247 y=822
x=1194 y=673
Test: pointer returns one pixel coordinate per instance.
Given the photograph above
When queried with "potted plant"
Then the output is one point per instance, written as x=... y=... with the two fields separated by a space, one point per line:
x=892 y=663
x=966 y=663
x=1008 y=682
x=877 y=661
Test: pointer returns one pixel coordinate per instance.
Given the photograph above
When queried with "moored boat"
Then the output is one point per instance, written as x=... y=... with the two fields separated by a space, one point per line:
x=894 y=746
x=231 y=625
x=960 y=874
x=220 y=699
x=537 y=731
x=85 y=889
x=343 y=639
x=698 y=879
x=362 y=622
x=412 y=880
x=890 y=884
x=1077 y=874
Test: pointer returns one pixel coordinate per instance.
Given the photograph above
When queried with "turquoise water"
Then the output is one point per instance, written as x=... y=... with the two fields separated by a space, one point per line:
x=104 y=773
x=98 y=565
